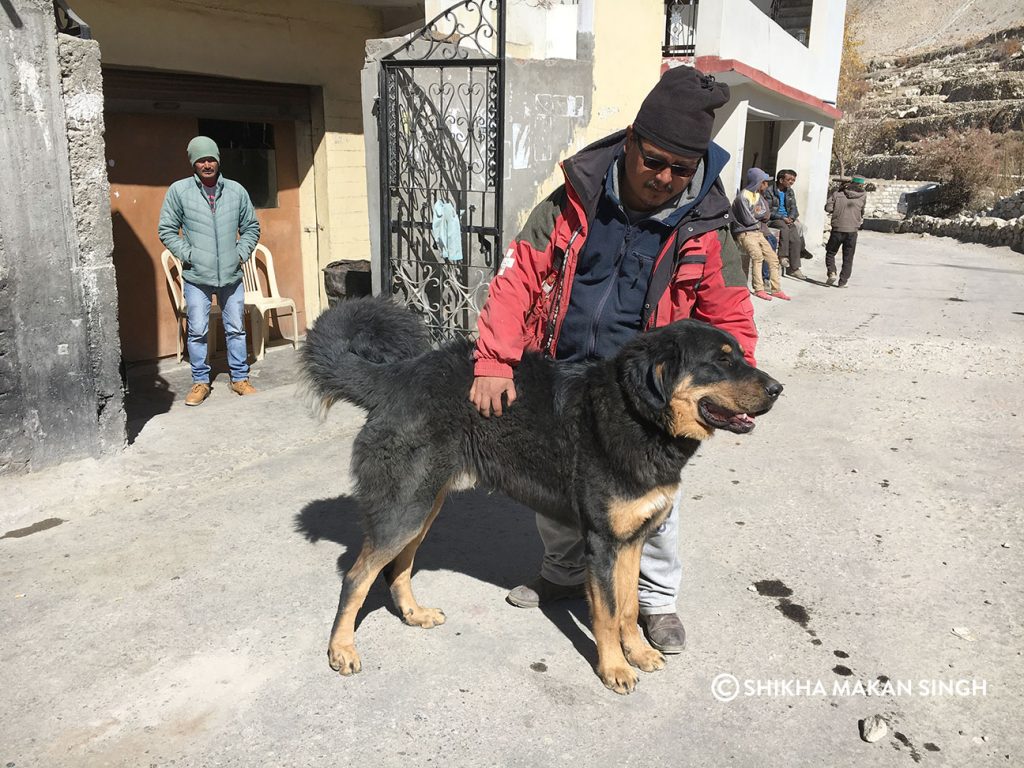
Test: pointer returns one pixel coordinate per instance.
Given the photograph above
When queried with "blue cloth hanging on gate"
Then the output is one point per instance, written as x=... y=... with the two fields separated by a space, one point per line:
x=447 y=230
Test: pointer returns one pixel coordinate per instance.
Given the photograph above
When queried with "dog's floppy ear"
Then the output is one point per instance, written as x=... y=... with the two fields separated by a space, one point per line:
x=645 y=380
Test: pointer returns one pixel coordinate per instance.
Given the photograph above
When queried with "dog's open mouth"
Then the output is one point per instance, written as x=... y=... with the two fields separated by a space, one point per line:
x=721 y=418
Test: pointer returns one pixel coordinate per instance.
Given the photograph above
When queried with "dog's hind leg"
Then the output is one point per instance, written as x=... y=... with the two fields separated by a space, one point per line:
x=613 y=571
x=398 y=574
x=373 y=557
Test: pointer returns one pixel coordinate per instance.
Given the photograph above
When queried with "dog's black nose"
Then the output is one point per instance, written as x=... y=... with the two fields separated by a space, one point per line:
x=774 y=390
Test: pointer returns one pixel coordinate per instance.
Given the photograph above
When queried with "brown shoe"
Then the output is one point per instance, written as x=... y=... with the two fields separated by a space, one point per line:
x=199 y=392
x=665 y=632
x=540 y=591
x=797 y=274
x=243 y=387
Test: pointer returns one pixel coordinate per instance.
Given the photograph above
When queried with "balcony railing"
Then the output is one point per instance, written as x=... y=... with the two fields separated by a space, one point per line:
x=680 y=28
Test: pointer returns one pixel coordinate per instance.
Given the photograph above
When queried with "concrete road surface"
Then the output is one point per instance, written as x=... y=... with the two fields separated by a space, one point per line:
x=860 y=553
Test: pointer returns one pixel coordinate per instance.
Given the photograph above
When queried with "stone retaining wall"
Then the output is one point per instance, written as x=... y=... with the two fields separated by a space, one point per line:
x=982 y=229
x=885 y=197
x=1011 y=207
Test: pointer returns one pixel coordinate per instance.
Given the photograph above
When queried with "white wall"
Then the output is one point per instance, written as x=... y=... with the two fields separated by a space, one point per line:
x=736 y=29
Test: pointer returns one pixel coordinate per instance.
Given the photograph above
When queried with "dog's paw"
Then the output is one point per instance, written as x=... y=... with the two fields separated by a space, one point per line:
x=621 y=679
x=646 y=658
x=344 y=659
x=423 y=617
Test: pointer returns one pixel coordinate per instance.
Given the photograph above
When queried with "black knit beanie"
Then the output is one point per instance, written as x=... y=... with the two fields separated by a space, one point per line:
x=679 y=112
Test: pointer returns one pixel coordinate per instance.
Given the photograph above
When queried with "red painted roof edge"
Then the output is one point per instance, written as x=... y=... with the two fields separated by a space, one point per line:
x=713 y=64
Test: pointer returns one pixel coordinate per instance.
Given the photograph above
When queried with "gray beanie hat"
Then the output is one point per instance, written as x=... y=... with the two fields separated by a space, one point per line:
x=202 y=146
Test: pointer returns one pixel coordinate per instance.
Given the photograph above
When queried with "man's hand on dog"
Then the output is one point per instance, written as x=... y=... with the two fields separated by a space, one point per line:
x=487 y=391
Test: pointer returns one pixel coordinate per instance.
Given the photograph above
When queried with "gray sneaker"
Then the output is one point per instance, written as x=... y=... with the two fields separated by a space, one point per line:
x=665 y=632
x=540 y=591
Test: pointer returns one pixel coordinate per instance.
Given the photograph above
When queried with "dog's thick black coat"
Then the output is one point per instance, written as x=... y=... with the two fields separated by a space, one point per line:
x=597 y=445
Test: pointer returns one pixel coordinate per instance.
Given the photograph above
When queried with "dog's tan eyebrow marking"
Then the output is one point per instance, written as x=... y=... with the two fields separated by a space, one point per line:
x=727 y=348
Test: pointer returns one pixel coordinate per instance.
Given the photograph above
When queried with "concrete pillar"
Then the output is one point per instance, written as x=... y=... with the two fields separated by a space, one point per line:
x=82 y=84
x=57 y=339
x=814 y=216
x=730 y=132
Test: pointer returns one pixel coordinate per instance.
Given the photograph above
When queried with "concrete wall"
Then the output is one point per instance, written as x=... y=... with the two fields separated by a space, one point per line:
x=619 y=42
x=82 y=85
x=59 y=396
x=736 y=29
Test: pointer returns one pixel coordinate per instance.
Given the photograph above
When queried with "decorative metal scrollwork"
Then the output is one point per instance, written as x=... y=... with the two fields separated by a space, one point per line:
x=472 y=29
x=441 y=127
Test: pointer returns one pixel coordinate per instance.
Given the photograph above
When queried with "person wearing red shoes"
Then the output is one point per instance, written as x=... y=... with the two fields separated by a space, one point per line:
x=750 y=213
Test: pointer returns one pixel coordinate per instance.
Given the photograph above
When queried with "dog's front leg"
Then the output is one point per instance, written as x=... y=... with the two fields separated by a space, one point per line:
x=341 y=651
x=612 y=575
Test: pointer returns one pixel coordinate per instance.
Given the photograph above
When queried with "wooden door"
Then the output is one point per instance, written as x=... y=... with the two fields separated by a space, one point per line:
x=145 y=154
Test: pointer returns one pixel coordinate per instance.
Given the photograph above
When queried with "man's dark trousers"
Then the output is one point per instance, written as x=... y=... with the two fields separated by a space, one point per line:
x=790 y=243
x=849 y=242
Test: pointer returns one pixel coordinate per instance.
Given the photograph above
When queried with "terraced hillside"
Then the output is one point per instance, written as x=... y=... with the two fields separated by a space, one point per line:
x=958 y=87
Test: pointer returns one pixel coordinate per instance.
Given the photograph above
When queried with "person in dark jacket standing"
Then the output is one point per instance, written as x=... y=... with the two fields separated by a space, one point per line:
x=847 y=208
x=631 y=241
x=784 y=217
x=209 y=224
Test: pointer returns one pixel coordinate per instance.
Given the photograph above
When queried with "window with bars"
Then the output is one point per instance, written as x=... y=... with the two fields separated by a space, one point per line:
x=680 y=28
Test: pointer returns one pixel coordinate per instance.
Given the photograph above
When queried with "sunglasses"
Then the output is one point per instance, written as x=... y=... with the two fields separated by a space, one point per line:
x=658 y=165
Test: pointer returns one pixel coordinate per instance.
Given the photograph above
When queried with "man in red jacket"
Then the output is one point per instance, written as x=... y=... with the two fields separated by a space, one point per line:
x=635 y=238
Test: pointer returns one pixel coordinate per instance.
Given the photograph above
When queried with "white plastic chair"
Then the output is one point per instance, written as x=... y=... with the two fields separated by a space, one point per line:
x=264 y=301
x=172 y=271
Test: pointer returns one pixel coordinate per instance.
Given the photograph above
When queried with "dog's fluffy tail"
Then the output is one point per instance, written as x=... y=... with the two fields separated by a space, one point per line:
x=348 y=351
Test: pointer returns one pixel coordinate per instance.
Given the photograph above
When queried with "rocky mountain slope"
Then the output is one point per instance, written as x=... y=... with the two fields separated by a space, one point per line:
x=898 y=27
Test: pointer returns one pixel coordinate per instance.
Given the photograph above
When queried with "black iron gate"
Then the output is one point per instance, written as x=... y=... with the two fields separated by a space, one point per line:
x=441 y=128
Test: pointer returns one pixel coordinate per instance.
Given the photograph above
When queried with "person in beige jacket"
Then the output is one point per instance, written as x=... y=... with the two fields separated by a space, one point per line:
x=846 y=205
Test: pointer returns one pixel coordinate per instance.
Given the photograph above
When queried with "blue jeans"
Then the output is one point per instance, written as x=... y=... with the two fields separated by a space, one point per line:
x=231 y=299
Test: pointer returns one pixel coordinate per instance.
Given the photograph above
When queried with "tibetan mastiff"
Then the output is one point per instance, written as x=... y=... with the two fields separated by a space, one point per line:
x=596 y=445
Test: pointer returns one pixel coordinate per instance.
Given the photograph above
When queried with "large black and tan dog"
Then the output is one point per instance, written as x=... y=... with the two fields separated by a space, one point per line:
x=596 y=445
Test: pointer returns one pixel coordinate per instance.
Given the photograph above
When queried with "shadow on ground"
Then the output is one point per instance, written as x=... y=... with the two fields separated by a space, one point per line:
x=485 y=536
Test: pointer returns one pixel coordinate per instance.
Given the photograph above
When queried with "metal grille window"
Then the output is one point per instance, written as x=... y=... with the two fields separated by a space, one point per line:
x=680 y=28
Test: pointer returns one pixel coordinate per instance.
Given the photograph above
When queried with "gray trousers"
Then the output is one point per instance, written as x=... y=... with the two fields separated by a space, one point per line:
x=661 y=570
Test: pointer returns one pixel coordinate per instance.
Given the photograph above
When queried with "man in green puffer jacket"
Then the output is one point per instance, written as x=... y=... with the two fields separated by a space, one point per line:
x=209 y=224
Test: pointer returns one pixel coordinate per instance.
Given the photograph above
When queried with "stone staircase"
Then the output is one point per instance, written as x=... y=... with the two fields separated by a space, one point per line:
x=980 y=85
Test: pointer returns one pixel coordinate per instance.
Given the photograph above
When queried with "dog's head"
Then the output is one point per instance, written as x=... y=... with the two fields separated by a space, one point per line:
x=691 y=379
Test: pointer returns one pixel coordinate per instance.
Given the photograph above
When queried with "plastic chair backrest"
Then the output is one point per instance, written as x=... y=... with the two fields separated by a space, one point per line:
x=172 y=270
x=251 y=273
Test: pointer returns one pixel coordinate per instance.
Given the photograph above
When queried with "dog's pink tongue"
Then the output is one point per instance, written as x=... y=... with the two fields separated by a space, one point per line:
x=743 y=420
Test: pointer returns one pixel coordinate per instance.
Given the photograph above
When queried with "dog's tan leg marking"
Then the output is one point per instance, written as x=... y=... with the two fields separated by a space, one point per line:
x=634 y=646
x=626 y=517
x=612 y=667
x=399 y=577
x=341 y=652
